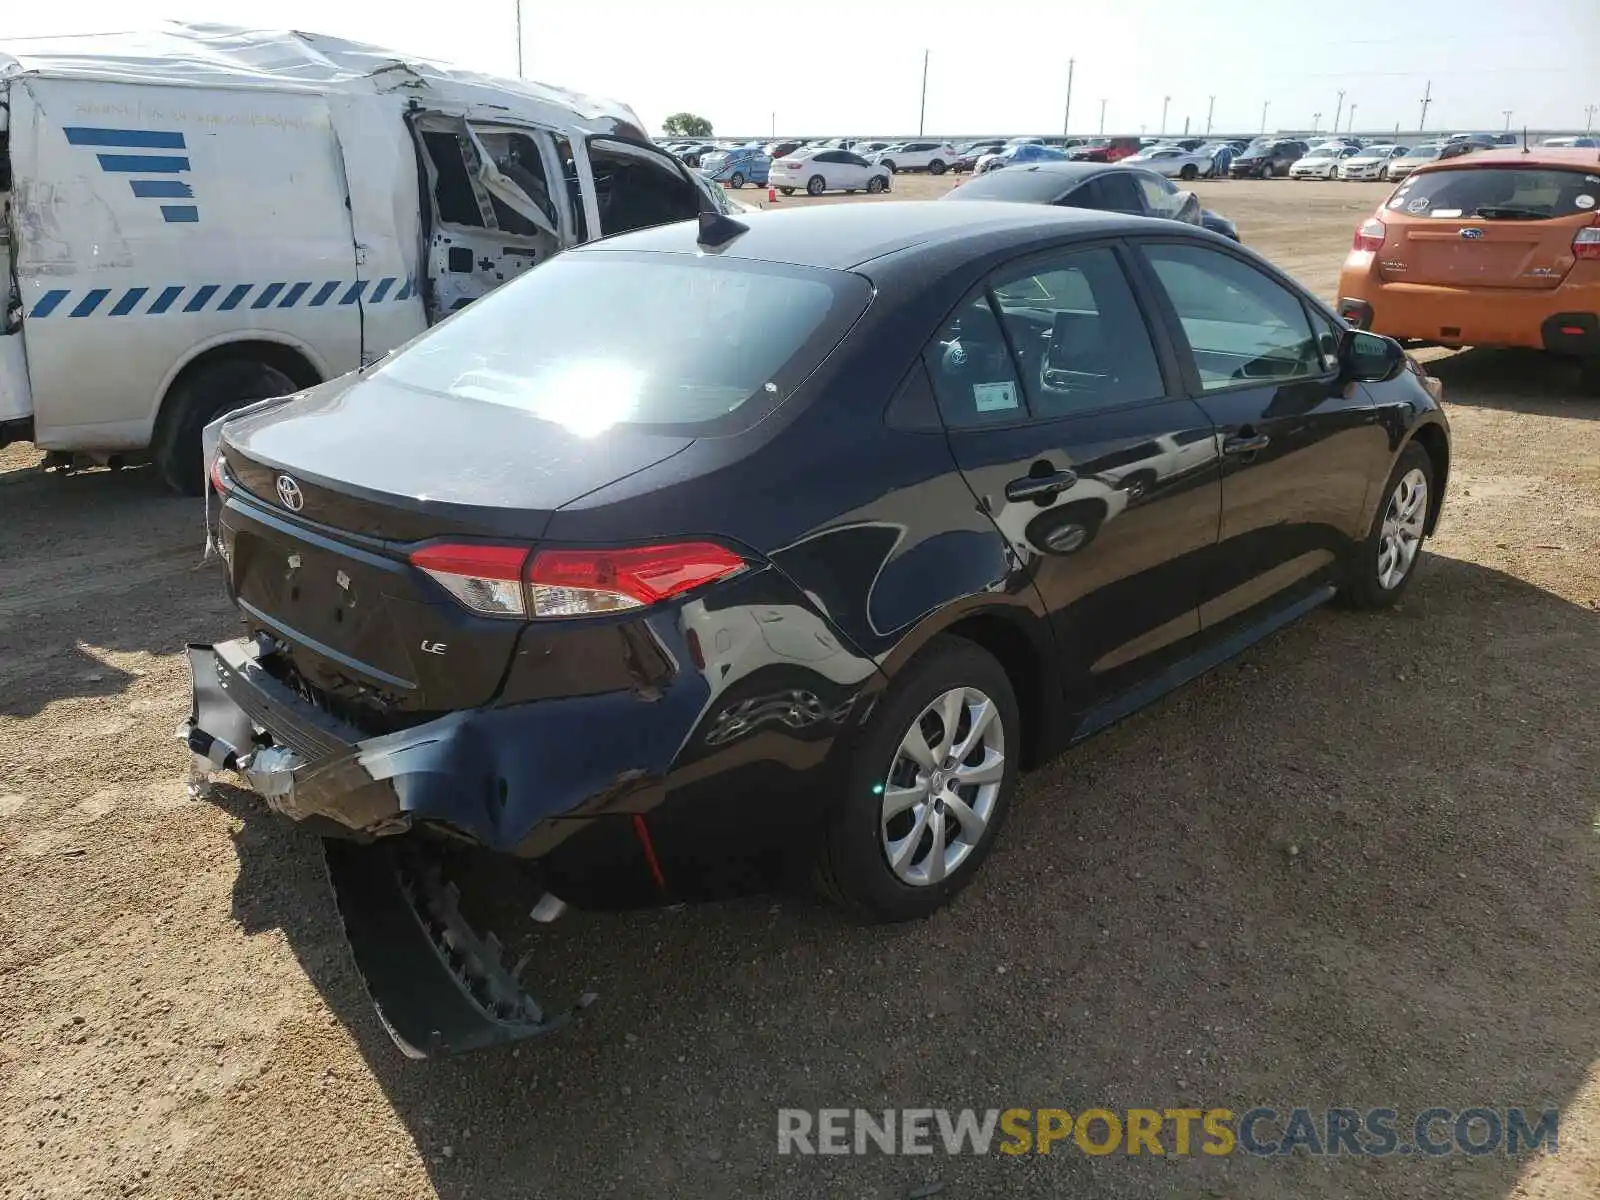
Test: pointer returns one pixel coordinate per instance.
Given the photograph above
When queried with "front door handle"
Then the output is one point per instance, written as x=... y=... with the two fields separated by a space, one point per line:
x=1246 y=444
x=1040 y=487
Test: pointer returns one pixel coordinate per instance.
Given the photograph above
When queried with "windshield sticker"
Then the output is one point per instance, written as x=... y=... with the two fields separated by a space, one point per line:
x=1447 y=212
x=1420 y=204
x=1592 y=178
x=1584 y=201
x=992 y=397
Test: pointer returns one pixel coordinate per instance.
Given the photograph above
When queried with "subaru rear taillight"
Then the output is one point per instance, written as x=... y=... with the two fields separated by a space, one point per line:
x=500 y=581
x=1370 y=236
x=486 y=579
x=1587 y=243
x=576 y=583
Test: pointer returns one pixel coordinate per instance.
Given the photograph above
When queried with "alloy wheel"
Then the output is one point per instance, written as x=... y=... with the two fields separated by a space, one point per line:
x=942 y=786
x=1401 y=535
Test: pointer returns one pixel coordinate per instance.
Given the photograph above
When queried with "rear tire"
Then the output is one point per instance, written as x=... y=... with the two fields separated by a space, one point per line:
x=1188 y=173
x=888 y=164
x=816 y=185
x=787 y=191
x=936 y=167
x=1383 y=564
x=853 y=868
x=1267 y=171
x=213 y=390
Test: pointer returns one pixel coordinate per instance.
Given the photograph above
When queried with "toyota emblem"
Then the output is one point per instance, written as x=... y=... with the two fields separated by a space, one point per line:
x=289 y=494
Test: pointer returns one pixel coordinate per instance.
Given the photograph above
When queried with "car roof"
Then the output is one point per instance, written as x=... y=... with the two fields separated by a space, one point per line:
x=1515 y=156
x=842 y=236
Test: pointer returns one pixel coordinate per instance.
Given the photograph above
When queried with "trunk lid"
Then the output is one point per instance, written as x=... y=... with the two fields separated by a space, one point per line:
x=1487 y=225
x=336 y=486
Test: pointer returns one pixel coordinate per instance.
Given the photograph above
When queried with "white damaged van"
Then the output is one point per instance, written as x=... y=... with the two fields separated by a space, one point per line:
x=204 y=216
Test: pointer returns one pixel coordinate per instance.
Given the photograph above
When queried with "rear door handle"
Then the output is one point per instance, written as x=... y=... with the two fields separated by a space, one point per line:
x=1039 y=487
x=1246 y=445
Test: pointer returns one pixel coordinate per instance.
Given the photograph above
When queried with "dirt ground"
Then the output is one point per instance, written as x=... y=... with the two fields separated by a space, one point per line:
x=1356 y=866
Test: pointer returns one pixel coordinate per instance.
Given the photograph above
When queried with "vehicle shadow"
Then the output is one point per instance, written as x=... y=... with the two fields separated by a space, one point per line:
x=1355 y=866
x=1520 y=380
x=94 y=566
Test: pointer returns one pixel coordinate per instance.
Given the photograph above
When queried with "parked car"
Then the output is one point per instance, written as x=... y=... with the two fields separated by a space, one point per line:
x=1572 y=143
x=1109 y=187
x=1498 y=248
x=779 y=149
x=868 y=148
x=1267 y=159
x=737 y=167
x=1106 y=149
x=1322 y=163
x=692 y=153
x=227 y=214
x=678 y=535
x=819 y=171
x=967 y=156
x=1427 y=152
x=1025 y=152
x=932 y=157
x=1372 y=162
x=1174 y=161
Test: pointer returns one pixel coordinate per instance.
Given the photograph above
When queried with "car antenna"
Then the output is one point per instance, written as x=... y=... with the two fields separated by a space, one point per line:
x=718 y=229
x=1525 y=149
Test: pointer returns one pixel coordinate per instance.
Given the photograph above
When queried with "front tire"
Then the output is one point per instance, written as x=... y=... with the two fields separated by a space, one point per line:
x=875 y=185
x=888 y=164
x=1387 y=558
x=1267 y=171
x=936 y=167
x=212 y=391
x=926 y=789
x=737 y=180
x=1383 y=174
x=1188 y=173
x=816 y=185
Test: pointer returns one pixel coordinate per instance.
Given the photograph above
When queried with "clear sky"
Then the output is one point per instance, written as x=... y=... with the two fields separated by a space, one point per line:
x=855 y=67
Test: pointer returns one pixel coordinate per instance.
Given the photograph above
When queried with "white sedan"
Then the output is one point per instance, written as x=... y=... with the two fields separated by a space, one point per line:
x=1372 y=162
x=1322 y=163
x=819 y=171
x=1173 y=161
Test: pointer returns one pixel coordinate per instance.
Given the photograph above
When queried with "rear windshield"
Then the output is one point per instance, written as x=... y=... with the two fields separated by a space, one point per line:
x=1498 y=193
x=601 y=338
x=1028 y=187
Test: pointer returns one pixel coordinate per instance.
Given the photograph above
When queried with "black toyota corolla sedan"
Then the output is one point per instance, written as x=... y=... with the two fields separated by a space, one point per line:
x=827 y=523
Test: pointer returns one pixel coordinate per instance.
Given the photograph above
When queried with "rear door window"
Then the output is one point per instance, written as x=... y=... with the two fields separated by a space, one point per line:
x=1499 y=193
x=1118 y=193
x=974 y=376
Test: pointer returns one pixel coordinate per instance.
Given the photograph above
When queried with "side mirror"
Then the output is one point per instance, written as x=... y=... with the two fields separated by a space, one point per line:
x=1370 y=357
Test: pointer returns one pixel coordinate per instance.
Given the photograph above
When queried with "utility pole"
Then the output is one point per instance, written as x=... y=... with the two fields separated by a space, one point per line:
x=1210 y=110
x=1186 y=127
x=1316 y=119
x=922 y=115
x=1066 y=116
x=1165 y=101
x=1427 y=99
x=1103 y=115
x=1265 y=104
x=1507 y=112
x=518 y=3
x=1338 y=111
x=1351 y=126
x=774 y=125
x=1588 y=117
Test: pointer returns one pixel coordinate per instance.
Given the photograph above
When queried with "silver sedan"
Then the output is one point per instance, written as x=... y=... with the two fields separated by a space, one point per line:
x=1174 y=162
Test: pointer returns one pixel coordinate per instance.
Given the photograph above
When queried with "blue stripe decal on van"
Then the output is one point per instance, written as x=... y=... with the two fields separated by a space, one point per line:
x=148 y=139
x=268 y=295
x=202 y=297
x=161 y=189
x=130 y=298
x=156 y=164
x=182 y=213
x=165 y=300
x=90 y=302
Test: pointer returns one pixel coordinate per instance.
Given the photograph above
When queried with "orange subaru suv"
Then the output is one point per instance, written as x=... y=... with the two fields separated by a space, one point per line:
x=1494 y=249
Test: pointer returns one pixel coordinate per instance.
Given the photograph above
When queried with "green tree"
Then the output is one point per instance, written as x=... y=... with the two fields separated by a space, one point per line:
x=687 y=124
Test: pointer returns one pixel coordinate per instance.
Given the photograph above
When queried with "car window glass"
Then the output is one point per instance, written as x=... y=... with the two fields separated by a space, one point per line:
x=826 y=156
x=1242 y=327
x=1080 y=339
x=1118 y=193
x=1158 y=198
x=855 y=160
x=974 y=376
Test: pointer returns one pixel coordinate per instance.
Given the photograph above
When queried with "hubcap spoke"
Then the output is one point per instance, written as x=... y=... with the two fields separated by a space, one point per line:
x=972 y=825
x=935 y=869
x=950 y=714
x=902 y=852
x=897 y=799
x=982 y=714
x=915 y=747
x=991 y=770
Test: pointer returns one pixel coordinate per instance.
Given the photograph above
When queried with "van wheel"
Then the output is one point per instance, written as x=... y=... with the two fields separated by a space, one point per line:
x=1188 y=172
x=737 y=180
x=936 y=167
x=926 y=788
x=210 y=392
x=816 y=185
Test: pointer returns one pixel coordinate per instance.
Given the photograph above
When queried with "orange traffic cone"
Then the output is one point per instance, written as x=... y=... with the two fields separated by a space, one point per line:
x=772 y=195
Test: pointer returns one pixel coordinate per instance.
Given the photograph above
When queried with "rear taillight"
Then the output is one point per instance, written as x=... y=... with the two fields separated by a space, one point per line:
x=575 y=583
x=1370 y=236
x=1587 y=243
x=500 y=581
x=218 y=479
x=790 y=166
x=486 y=579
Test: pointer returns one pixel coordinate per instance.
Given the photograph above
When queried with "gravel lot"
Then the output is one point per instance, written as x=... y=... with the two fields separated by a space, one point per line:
x=1355 y=866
